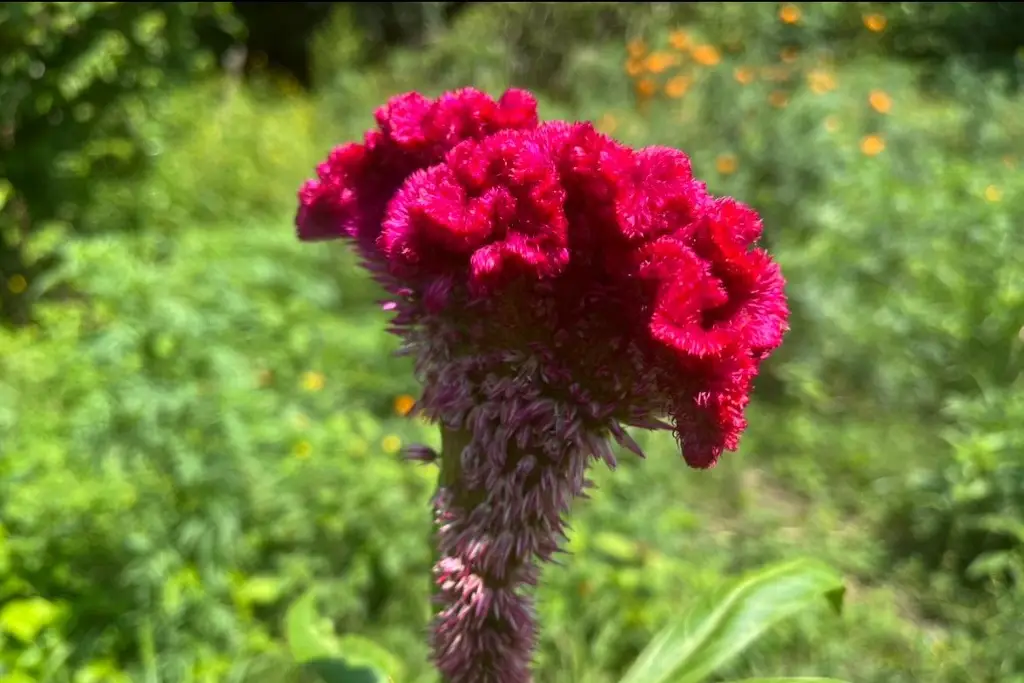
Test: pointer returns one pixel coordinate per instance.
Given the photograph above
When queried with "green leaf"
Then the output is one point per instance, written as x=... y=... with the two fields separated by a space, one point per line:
x=790 y=679
x=318 y=650
x=340 y=671
x=24 y=619
x=718 y=630
x=306 y=639
x=360 y=650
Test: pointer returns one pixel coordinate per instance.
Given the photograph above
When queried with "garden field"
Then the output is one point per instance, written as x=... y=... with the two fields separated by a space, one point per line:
x=201 y=418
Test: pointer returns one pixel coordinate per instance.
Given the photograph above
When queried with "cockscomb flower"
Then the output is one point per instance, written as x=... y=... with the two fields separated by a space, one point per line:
x=554 y=288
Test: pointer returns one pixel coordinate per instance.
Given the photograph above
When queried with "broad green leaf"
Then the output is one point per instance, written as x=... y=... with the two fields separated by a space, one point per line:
x=350 y=659
x=306 y=639
x=360 y=650
x=720 y=629
x=340 y=671
x=790 y=679
x=24 y=619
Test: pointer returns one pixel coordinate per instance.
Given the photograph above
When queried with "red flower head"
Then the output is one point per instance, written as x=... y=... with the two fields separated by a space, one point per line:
x=355 y=183
x=554 y=286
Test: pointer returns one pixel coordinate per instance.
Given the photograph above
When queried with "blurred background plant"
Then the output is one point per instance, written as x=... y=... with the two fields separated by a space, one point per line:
x=199 y=419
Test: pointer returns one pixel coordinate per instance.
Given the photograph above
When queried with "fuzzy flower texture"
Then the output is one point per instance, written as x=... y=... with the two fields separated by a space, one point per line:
x=554 y=287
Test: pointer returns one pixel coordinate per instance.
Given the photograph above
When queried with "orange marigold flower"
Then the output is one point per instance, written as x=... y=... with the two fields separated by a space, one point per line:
x=679 y=40
x=706 y=55
x=646 y=87
x=880 y=101
x=875 y=22
x=743 y=75
x=789 y=14
x=677 y=87
x=659 y=61
x=726 y=164
x=637 y=48
x=404 y=404
x=872 y=145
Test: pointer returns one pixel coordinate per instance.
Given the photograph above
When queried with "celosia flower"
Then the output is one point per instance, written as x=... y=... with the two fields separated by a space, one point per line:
x=554 y=287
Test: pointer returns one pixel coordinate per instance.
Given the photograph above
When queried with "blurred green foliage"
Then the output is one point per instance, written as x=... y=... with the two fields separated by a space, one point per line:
x=71 y=77
x=199 y=425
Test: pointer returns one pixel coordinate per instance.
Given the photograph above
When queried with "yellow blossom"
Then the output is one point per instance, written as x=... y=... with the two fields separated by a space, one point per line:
x=993 y=193
x=872 y=145
x=404 y=404
x=726 y=164
x=391 y=444
x=706 y=55
x=880 y=102
x=789 y=14
x=302 y=450
x=677 y=87
x=17 y=284
x=875 y=22
x=821 y=81
x=743 y=75
x=607 y=124
x=312 y=381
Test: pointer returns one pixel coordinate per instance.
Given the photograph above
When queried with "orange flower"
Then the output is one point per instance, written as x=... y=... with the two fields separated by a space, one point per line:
x=404 y=404
x=659 y=61
x=821 y=81
x=743 y=75
x=706 y=55
x=778 y=99
x=726 y=164
x=789 y=14
x=789 y=54
x=645 y=88
x=875 y=22
x=677 y=87
x=872 y=145
x=636 y=48
x=679 y=40
x=634 y=67
x=880 y=102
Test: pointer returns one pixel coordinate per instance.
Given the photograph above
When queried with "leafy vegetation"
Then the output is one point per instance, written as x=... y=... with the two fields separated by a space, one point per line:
x=200 y=419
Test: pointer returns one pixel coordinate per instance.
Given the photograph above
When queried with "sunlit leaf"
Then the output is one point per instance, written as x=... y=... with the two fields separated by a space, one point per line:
x=720 y=629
